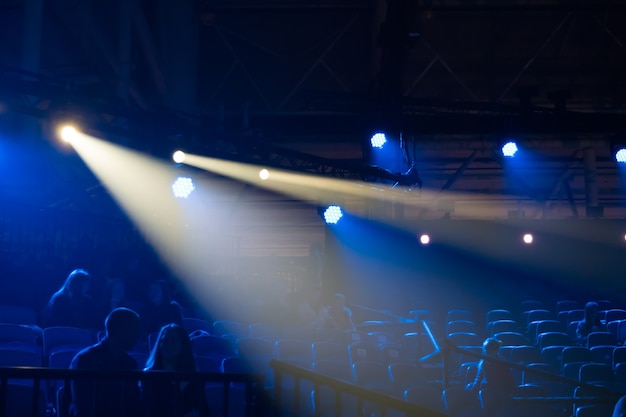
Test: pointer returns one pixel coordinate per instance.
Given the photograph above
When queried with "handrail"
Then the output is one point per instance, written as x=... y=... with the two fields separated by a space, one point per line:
x=385 y=400
x=607 y=394
x=253 y=382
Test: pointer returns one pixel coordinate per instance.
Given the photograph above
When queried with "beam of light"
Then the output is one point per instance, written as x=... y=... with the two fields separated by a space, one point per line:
x=189 y=238
x=178 y=157
x=509 y=149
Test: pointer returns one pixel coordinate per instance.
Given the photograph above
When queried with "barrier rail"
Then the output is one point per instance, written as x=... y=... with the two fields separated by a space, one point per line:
x=254 y=394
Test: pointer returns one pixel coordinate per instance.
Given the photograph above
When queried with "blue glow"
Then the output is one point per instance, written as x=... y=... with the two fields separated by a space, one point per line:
x=509 y=149
x=620 y=156
x=183 y=187
x=333 y=214
x=378 y=140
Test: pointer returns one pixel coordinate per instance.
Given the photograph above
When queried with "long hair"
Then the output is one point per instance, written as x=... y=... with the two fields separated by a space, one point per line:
x=185 y=362
x=73 y=283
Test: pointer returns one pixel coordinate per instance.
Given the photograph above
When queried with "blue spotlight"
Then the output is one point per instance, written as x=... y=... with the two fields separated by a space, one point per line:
x=333 y=214
x=509 y=149
x=182 y=187
x=378 y=140
x=620 y=155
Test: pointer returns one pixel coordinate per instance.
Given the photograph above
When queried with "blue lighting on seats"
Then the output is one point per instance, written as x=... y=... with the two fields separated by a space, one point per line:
x=333 y=214
x=509 y=149
x=183 y=187
x=378 y=140
x=620 y=155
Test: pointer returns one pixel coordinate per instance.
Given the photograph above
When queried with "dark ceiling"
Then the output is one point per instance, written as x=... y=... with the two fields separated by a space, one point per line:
x=302 y=84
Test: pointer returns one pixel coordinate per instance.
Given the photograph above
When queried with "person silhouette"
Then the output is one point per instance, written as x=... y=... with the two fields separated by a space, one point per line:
x=104 y=398
x=173 y=352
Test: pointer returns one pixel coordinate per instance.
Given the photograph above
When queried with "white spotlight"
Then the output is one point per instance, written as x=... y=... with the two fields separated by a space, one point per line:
x=527 y=238
x=424 y=239
x=182 y=187
x=378 y=140
x=178 y=157
x=264 y=174
x=68 y=134
x=509 y=149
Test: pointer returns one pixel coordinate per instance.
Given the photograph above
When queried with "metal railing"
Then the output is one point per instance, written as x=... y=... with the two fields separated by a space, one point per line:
x=386 y=402
x=255 y=401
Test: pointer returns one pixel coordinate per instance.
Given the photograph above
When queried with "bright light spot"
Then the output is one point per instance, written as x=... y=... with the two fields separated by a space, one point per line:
x=424 y=239
x=620 y=156
x=527 y=238
x=182 y=187
x=509 y=149
x=178 y=157
x=264 y=174
x=69 y=134
x=378 y=140
x=625 y=237
x=332 y=214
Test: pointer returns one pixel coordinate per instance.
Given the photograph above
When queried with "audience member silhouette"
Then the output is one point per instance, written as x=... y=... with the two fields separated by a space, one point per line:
x=72 y=305
x=495 y=376
x=589 y=324
x=339 y=316
x=105 y=398
x=160 y=309
x=173 y=352
x=620 y=407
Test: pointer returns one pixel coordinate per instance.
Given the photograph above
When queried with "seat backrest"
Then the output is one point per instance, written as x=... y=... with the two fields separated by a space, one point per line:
x=498 y=314
x=207 y=345
x=191 y=324
x=603 y=354
x=619 y=355
x=601 y=338
x=511 y=338
x=255 y=347
x=330 y=350
x=221 y=327
x=363 y=351
x=264 y=331
x=553 y=339
x=500 y=326
x=62 y=359
x=456 y=326
x=575 y=354
x=294 y=350
x=536 y=315
x=452 y=315
x=566 y=305
x=615 y=314
x=21 y=336
x=544 y=326
x=465 y=339
x=66 y=338
x=526 y=355
x=596 y=372
x=336 y=369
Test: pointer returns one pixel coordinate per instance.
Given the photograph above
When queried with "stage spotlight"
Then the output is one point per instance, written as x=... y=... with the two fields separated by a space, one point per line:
x=333 y=214
x=509 y=149
x=264 y=174
x=424 y=239
x=527 y=238
x=182 y=187
x=620 y=155
x=378 y=140
x=178 y=157
x=68 y=133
